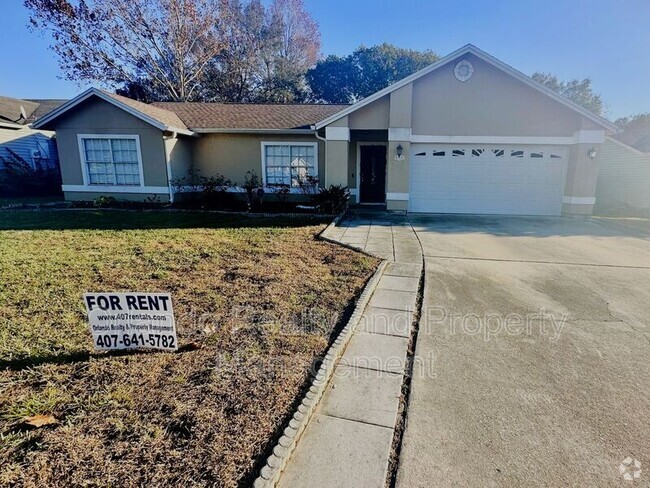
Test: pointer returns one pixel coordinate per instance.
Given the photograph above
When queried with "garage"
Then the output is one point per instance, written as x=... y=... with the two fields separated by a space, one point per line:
x=487 y=179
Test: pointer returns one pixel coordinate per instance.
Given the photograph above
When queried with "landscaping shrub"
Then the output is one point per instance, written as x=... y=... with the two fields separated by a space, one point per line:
x=254 y=191
x=104 y=202
x=204 y=191
x=332 y=200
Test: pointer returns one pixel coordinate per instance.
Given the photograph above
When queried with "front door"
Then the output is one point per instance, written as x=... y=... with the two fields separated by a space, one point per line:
x=372 y=177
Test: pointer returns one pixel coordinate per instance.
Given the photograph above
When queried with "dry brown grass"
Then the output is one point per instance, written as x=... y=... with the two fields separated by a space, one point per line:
x=260 y=299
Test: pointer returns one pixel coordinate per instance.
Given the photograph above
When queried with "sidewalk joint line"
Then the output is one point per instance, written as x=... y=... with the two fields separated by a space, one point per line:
x=380 y=308
x=356 y=366
x=385 y=334
x=353 y=420
x=394 y=309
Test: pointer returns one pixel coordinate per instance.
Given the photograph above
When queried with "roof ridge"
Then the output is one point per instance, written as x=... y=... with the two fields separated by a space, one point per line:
x=159 y=117
x=310 y=104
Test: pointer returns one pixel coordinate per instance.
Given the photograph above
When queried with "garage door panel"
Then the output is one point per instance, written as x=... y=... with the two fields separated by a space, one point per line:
x=498 y=179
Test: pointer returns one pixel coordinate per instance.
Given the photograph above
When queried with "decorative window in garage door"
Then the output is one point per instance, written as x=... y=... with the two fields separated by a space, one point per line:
x=494 y=152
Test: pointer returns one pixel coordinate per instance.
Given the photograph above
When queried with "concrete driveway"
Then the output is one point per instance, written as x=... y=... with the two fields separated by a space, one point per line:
x=532 y=363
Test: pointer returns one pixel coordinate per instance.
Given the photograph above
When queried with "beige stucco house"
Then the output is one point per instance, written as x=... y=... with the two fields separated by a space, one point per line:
x=468 y=134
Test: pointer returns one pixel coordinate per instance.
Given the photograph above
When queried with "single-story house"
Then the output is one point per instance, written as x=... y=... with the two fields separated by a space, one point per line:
x=623 y=186
x=18 y=140
x=467 y=134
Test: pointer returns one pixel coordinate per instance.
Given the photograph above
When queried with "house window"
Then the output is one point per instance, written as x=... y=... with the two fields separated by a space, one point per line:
x=111 y=160
x=289 y=163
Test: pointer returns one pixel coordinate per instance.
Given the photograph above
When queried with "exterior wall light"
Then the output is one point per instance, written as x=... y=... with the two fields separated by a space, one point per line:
x=592 y=153
x=399 y=150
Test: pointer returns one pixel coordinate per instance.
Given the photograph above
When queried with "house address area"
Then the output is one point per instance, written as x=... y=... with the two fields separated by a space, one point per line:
x=131 y=320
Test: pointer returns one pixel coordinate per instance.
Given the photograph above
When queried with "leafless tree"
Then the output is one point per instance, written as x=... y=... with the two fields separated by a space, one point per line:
x=166 y=43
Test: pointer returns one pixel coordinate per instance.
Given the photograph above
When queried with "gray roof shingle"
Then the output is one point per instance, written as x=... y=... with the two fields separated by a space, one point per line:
x=10 y=109
x=165 y=117
x=45 y=106
x=255 y=116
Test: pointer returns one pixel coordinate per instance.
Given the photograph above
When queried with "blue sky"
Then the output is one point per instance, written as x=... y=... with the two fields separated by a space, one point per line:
x=607 y=40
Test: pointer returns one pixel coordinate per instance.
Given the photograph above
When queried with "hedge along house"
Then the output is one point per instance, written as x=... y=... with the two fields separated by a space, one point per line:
x=468 y=134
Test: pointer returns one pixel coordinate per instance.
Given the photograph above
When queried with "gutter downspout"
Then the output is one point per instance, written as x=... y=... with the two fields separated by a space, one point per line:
x=168 y=165
x=313 y=127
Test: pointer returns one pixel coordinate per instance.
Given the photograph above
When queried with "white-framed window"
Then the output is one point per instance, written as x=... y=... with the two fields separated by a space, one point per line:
x=289 y=163
x=111 y=160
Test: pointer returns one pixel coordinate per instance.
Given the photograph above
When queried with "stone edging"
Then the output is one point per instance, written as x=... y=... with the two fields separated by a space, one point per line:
x=324 y=235
x=277 y=461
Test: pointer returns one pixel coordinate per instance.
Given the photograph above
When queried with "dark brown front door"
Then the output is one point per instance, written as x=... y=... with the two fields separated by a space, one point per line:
x=372 y=184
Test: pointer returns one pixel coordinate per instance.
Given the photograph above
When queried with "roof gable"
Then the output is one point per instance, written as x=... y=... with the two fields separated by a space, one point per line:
x=470 y=49
x=155 y=116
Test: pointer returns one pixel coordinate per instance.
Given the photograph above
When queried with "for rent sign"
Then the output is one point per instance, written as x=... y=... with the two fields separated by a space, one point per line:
x=131 y=320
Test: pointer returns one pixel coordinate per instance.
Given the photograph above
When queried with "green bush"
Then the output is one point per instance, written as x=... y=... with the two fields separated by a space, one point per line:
x=204 y=191
x=332 y=200
x=254 y=191
x=104 y=202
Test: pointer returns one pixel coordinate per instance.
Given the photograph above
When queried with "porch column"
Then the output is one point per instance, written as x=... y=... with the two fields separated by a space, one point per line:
x=337 y=137
x=582 y=174
x=399 y=134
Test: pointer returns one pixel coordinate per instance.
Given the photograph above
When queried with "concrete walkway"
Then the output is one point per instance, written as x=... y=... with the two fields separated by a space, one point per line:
x=348 y=442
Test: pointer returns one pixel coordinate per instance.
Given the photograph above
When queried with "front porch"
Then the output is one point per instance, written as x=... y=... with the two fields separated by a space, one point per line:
x=367 y=162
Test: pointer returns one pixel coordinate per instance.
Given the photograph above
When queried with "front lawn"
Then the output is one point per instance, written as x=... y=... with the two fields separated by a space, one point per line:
x=256 y=301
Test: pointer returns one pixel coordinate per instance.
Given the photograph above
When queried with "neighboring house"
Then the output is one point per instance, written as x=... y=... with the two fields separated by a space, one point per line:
x=17 y=139
x=624 y=175
x=468 y=134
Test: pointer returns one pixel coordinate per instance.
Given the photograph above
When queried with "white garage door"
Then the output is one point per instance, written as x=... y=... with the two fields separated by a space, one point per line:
x=487 y=179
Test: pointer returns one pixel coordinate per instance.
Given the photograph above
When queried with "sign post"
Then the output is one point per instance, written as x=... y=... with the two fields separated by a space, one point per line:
x=131 y=321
